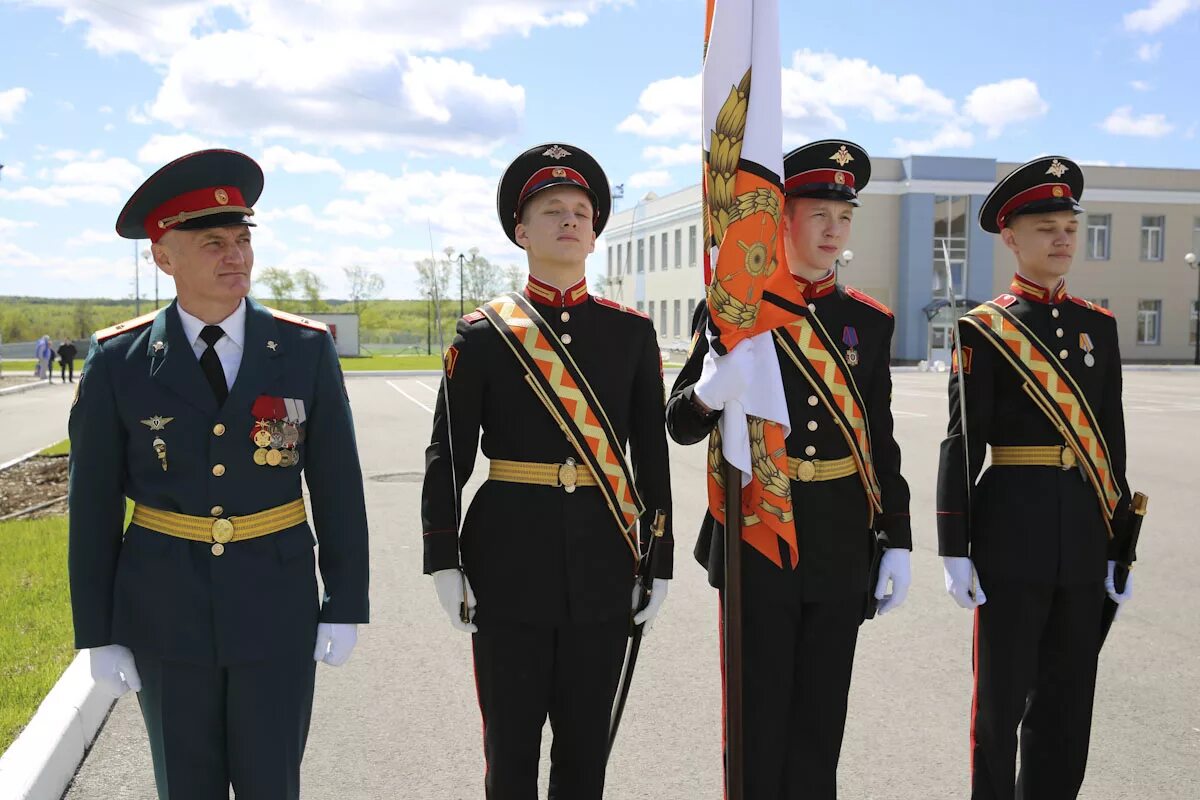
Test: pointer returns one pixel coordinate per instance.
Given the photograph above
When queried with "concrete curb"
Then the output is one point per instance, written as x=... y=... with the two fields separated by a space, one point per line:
x=24 y=387
x=40 y=764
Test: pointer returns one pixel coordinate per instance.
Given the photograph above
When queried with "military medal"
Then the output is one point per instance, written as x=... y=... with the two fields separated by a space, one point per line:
x=291 y=434
x=160 y=450
x=156 y=423
x=1085 y=344
x=288 y=458
x=850 y=339
x=274 y=457
x=260 y=456
x=262 y=437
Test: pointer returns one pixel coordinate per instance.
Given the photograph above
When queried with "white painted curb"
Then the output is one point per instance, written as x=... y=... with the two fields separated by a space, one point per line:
x=40 y=764
x=24 y=387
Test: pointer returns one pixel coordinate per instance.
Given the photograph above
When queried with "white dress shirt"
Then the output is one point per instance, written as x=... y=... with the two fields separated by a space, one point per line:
x=229 y=347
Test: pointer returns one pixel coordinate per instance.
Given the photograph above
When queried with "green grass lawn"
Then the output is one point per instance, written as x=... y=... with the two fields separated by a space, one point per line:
x=391 y=362
x=36 y=636
x=60 y=449
x=20 y=366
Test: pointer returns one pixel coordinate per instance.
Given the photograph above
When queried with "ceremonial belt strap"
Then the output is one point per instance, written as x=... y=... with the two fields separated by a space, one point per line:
x=1055 y=455
x=220 y=530
x=567 y=475
x=558 y=383
x=1056 y=394
x=819 y=360
x=802 y=470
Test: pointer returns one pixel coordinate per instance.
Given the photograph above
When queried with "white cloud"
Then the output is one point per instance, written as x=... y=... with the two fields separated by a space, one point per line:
x=1141 y=86
x=13 y=172
x=1149 y=52
x=276 y=157
x=7 y=225
x=11 y=101
x=338 y=217
x=660 y=156
x=949 y=137
x=82 y=178
x=1122 y=123
x=998 y=105
x=92 y=236
x=64 y=195
x=162 y=149
x=1158 y=15
x=668 y=108
x=105 y=109
x=650 y=179
x=115 y=172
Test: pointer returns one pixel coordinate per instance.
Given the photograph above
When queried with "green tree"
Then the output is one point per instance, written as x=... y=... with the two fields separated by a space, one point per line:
x=364 y=285
x=279 y=283
x=310 y=287
x=515 y=278
x=84 y=319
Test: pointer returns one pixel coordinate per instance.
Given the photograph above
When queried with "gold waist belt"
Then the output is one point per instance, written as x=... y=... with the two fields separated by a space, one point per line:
x=567 y=475
x=222 y=530
x=1054 y=455
x=800 y=469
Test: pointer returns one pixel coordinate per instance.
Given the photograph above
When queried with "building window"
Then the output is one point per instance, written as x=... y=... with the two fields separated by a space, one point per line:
x=662 y=312
x=692 y=246
x=641 y=262
x=678 y=313
x=950 y=226
x=641 y=306
x=652 y=254
x=651 y=311
x=678 y=248
x=691 y=311
x=1098 y=301
x=610 y=261
x=1149 y=314
x=1152 y=238
x=1098 y=226
x=1196 y=236
x=1193 y=323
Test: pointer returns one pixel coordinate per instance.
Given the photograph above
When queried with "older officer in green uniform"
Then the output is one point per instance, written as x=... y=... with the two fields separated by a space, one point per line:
x=204 y=415
x=1026 y=547
x=560 y=382
x=803 y=607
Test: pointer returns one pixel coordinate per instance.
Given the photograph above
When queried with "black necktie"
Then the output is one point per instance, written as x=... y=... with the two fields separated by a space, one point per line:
x=211 y=364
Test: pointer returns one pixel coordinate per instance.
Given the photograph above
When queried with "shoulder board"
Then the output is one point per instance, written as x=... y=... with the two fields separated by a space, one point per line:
x=1005 y=300
x=296 y=319
x=126 y=326
x=1090 y=306
x=866 y=299
x=604 y=301
x=473 y=317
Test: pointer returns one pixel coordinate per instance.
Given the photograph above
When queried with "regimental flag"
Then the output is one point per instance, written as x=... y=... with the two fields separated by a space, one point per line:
x=750 y=289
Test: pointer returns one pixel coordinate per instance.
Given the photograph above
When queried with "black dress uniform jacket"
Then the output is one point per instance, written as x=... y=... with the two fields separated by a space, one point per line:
x=829 y=515
x=538 y=554
x=171 y=598
x=1032 y=524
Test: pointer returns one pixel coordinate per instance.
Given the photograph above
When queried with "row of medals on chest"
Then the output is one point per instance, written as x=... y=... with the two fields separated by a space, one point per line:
x=276 y=441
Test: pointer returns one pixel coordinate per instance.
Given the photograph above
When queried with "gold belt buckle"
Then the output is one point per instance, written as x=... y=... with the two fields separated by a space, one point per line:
x=222 y=534
x=806 y=471
x=1067 y=457
x=568 y=474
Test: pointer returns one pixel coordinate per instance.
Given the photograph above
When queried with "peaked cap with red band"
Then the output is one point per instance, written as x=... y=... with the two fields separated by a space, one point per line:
x=831 y=169
x=544 y=166
x=206 y=189
x=1053 y=183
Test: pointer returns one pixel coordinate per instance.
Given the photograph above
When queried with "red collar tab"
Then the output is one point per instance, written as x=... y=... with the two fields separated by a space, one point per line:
x=837 y=177
x=1023 y=287
x=1045 y=191
x=821 y=287
x=190 y=205
x=547 y=295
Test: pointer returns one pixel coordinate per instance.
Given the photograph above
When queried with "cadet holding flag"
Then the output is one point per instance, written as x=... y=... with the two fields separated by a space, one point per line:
x=204 y=415
x=541 y=569
x=1037 y=377
x=789 y=378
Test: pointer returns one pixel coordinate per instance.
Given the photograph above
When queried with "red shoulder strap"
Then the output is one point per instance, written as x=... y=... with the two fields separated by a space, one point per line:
x=866 y=299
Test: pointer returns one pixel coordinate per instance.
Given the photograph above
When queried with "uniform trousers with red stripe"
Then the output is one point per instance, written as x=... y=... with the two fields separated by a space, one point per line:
x=797 y=659
x=525 y=674
x=1036 y=648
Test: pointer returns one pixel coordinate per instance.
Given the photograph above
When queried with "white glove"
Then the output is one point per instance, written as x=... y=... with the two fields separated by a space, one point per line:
x=113 y=669
x=962 y=582
x=452 y=585
x=335 y=640
x=1111 y=588
x=894 y=566
x=658 y=595
x=724 y=378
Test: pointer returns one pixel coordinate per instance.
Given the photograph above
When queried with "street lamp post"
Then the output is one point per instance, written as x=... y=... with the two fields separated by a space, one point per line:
x=842 y=261
x=461 y=258
x=1191 y=260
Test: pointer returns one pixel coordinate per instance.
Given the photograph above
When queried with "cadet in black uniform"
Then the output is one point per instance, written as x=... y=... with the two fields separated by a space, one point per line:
x=1034 y=531
x=204 y=415
x=801 y=619
x=559 y=381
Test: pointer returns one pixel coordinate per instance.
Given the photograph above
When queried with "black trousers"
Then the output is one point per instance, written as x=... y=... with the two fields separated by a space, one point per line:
x=797 y=661
x=1035 y=657
x=211 y=727
x=524 y=674
x=68 y=368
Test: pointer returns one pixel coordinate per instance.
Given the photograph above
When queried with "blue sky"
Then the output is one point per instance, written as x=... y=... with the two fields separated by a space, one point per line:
x=379 y=123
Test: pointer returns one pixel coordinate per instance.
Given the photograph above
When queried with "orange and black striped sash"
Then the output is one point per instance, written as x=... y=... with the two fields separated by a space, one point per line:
x=808 y=345
x=561 y=387
x=1056 y=394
